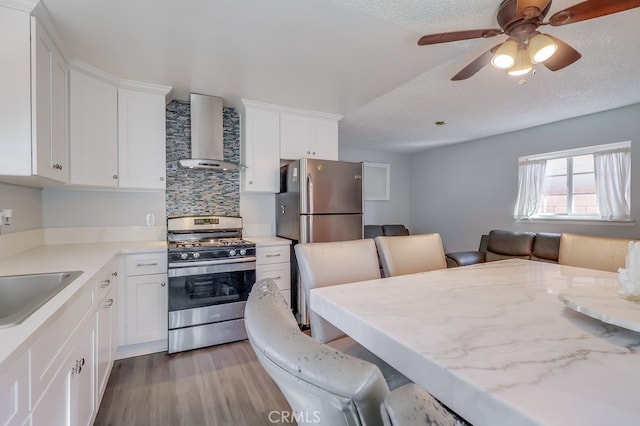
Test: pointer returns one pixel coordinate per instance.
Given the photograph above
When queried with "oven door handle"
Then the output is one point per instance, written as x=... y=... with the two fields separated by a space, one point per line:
x=209 y=267
x=211 y=262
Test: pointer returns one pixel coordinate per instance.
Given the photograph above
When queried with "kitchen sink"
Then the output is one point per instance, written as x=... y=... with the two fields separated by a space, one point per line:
x=22 y=295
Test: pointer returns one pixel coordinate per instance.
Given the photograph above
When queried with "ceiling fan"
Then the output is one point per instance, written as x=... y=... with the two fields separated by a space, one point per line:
x=520 y=19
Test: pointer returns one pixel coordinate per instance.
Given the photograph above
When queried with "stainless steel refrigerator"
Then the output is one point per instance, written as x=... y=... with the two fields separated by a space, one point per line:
x=319 y=201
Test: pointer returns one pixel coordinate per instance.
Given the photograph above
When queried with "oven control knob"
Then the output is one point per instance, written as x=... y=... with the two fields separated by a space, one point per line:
x=184 y=256
x=243 y=252
x=196 y=255
x=232 y=252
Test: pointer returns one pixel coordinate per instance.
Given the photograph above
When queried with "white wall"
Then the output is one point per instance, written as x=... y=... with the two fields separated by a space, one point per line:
x=465 y=190
x=79 y=208
x=258 y=213
x=396 y=209
x=26 y=204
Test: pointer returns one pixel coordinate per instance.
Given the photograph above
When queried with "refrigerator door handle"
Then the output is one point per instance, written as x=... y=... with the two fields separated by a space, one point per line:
x=309 y=193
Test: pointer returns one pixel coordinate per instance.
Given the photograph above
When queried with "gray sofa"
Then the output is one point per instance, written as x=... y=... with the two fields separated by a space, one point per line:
x=372 y=231
x=500 y=245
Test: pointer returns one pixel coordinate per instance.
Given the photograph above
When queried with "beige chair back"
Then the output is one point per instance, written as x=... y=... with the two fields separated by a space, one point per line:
x=586 y=251
x=322 y=385
x=409 y=254
x=333 y=263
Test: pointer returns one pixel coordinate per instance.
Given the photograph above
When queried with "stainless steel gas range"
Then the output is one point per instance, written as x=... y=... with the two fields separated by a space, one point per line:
x=211 y=272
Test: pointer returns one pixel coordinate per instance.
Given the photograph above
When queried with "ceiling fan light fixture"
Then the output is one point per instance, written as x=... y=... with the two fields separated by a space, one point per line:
x=505 y=56
x=523 y=64
x=541 y=47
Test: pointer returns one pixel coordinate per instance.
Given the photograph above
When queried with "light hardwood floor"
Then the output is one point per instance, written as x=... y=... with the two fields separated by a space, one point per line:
x=220 y=385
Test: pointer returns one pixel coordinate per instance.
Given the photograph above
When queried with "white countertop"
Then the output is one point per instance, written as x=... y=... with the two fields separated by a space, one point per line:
x=493 y=342
x=88 y=258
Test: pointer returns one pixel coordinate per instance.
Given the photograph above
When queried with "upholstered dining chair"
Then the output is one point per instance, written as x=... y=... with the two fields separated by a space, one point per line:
x=410 y=405
x=587 y=251
x=409 y=254
x=334 y=263
x=323 y=385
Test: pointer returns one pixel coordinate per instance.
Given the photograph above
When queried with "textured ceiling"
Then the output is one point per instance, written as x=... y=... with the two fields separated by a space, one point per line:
x=358 y=58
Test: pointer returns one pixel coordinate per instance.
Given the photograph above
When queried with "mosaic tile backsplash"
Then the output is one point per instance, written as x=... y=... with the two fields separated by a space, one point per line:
x=199 y=191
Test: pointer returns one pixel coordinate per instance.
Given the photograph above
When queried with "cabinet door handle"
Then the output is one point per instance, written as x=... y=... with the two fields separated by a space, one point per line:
x=161 y=178
x=105 y=283
x=77 y=368
x=272 y=255
x=115 y=176
x=146 y=263
x=108 y=303
x=114 y=274
x=162 y=284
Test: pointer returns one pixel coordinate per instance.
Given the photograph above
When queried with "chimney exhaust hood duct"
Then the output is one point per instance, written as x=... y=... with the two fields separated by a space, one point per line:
x=207 y=142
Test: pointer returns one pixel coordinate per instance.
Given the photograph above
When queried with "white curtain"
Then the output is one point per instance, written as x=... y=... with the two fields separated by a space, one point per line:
x=613 y=183
x=530 y=185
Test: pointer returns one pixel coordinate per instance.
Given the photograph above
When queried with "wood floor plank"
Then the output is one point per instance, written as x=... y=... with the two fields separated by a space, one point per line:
x=217 y=386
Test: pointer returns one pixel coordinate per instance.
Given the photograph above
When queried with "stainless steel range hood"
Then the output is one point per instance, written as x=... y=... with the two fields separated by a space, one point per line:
x=207 y=142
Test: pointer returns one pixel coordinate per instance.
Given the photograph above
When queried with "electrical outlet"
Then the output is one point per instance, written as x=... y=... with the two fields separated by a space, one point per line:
x=5 y=216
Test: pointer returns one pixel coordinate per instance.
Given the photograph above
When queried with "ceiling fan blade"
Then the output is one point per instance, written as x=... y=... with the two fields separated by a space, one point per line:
x=531 y=8
x=476 y=65
x=457 y=35
x=591 y=9
x=564 y=56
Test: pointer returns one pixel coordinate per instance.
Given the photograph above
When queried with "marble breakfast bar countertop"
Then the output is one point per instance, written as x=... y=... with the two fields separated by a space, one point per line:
x=493 y=342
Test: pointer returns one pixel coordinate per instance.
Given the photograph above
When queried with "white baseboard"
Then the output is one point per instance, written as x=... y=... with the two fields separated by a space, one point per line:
x=139 y=349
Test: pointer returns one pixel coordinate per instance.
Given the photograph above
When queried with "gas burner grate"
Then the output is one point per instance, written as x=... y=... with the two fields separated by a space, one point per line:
x=188 y=244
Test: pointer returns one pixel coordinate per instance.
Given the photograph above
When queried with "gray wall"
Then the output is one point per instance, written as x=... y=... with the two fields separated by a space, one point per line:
x=26 y=204
x=396 y=209
x=465 y=190
x=71 y=208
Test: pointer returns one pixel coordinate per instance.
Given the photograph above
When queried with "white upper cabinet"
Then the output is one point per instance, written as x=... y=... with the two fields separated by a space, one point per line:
x=94 y=129
x=118 y=131
x=33 y=105
x=307 y=135
x=273 y=133
x=261 y=149
x=50 y=106
x=142 y=137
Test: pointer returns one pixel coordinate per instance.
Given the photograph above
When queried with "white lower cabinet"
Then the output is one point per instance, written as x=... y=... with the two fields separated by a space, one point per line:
x=106 y=325
x=273 y=261
x=144 y=309
x=61 y=378
x=82 y=385
x=70 y=398
x=67 y=376
x=14 y=394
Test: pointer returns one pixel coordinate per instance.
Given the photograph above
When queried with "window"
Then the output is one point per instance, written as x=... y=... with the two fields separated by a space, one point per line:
x=569 y=187
x=586 y=183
